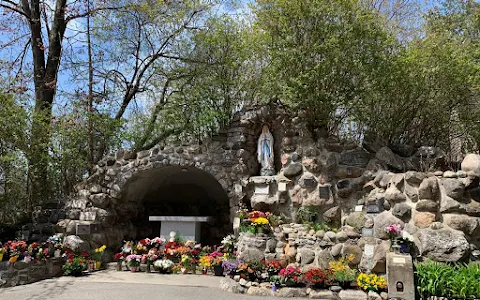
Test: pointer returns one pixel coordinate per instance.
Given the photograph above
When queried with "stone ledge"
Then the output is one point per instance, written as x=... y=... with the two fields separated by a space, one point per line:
x=265 y=289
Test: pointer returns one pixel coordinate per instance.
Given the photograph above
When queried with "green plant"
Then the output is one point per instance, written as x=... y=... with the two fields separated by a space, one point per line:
x=306 y=214
x=75 y=266
x=458 y=281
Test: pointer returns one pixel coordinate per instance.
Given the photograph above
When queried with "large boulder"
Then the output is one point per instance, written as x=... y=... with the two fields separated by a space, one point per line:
x=454 y=188
x=379 y=264
x=356 y=220
x=393 y=194
x=427 y=205
x=471 y=165
x=469 y=225
x=402 y=211
x=391 y=159
x=351 y=248
x=76 y=244
x=383 y=220
x=251 y=254
x=305 y=256
x=293 y=170
x=429 y=189
x=445 y=244
x=423 y=219
x=414 y=178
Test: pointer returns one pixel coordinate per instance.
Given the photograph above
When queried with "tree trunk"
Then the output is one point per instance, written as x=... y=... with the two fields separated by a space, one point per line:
x=45 y=79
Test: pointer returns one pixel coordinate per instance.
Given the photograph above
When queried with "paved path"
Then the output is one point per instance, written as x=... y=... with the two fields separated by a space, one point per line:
x=112 y=285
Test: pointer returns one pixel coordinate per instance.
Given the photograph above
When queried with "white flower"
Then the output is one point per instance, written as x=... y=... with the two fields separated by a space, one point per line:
x=228 y=240
x=164 y=264
x=407 y=236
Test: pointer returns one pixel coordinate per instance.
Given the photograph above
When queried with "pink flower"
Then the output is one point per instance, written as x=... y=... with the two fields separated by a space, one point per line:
x=394 y=229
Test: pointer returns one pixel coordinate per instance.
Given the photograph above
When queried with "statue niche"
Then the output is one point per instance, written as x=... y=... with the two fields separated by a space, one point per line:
x=265 y=152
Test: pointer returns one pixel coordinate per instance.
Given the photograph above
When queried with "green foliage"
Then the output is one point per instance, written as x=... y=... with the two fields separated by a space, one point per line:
x=306 y=214
x=457 y=281
x=321 y=55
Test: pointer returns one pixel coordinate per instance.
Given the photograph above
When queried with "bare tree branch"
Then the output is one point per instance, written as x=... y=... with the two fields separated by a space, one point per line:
x=14 y=9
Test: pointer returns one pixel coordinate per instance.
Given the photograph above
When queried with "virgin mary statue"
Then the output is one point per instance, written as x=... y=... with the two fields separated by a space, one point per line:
x=265 y=152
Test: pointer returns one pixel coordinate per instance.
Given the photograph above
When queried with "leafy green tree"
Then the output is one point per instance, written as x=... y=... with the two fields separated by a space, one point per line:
x=321 y=56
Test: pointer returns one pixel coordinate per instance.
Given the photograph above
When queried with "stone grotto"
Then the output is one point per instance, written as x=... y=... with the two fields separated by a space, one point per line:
x=356 y=190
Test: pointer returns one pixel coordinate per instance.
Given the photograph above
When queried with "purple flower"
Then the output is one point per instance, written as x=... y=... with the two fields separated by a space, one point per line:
x=230 y=267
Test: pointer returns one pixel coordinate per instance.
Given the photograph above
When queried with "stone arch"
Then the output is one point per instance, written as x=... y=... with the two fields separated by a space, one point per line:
x=114 y=196
x=175 y=191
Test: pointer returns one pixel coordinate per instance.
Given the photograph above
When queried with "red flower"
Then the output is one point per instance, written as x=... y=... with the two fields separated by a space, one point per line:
x=84 y=254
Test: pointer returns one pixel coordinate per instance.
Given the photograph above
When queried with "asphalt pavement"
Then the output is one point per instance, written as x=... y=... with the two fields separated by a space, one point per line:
x=113 y=285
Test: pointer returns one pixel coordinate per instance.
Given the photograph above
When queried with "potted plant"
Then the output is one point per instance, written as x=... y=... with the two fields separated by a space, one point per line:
x=74 y=266
x=133 y=262
x=244 y=270
x=217 y=260
x=342 y=274
x=230 y=267
x=149 y=258
x=185 y=261
x=1 y=253
x=205 y=262
x=393 y=232
x=371 y=282
x=291 y=276
x=97 y=257
x=163 y=266
x=119 y=258
x=273 y=267
x=318 y=278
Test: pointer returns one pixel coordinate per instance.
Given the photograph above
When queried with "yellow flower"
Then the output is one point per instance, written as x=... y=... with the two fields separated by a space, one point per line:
x=261 y=221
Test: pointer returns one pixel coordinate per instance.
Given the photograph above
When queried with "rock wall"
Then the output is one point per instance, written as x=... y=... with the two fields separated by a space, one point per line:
x=21 y=273
x=439 y=210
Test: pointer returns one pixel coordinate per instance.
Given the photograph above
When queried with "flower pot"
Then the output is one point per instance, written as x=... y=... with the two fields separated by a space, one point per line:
x=13 y=259
x=133 y=269
x=204 y=271
x=184 y=270
x=218 y=270
x=119 y=265
x=252 y=229
x=345 y=284
x=1 y=256
x=98 y=265
x=260 y=229
x=148 y=269
x=91 y=266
